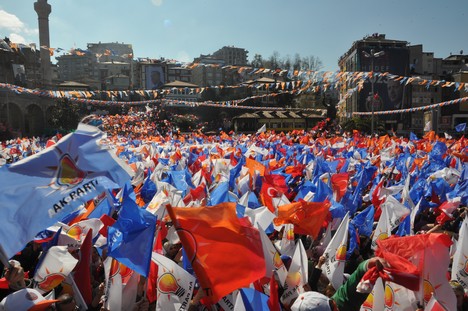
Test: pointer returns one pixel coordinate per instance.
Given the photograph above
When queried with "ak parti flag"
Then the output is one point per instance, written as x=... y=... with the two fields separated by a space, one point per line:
x=42 y=189
x=226 y=252
x=307 y=217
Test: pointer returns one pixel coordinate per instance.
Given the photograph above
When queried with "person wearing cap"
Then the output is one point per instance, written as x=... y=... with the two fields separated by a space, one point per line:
x=26 y=299
x=346 y=297
x=462 y=303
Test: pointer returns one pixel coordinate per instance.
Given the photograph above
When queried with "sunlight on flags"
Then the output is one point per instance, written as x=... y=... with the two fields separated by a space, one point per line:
x=174 y=284
x=335 y=254
x=460 y=258
x=130 y=238
x=113 y=290
x=213 y=237
x=40 y=190
x=57 y=264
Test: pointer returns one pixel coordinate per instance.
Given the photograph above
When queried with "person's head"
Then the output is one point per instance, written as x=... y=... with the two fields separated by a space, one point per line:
x=395 y=91
x=459 y=293
x=66 y=303
x=313 y=301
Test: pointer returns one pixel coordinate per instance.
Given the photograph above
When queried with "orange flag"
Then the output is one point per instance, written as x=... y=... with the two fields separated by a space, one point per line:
x=253 y=166
x=307 y=217
x=226 y=252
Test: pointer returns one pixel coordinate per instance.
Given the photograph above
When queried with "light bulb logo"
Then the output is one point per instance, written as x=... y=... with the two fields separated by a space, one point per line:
x=51 y=280
x=75 y=232
x=277 y=262
x=428 y=289
x=69 y=174
x=167 y=284
x=389 y=298
x=340 y=254
x=294 y=279
x=368 y=303
x=382 y=236
x=290 y=235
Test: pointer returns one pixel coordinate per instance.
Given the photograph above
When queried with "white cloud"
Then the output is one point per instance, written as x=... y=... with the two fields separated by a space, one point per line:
x=19 y=30
x=183 y=56
x=16 y=38
x=11 y=22
x=157 y=2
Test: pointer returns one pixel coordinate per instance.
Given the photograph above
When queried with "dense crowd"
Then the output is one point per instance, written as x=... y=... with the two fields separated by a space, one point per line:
x=385 y=191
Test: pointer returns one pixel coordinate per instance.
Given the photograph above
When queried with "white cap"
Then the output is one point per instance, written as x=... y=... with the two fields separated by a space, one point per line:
x=309 y=301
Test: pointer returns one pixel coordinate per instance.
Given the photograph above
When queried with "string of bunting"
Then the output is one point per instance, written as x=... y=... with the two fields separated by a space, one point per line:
x=235 y=104
x=422 y=108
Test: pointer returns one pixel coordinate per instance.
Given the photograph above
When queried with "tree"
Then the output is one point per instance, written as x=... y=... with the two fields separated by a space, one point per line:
x=65 y=115
x=312 y=63
x=257 y=62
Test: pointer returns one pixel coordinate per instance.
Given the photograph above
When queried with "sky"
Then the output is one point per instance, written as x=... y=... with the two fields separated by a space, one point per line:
x=184 y=29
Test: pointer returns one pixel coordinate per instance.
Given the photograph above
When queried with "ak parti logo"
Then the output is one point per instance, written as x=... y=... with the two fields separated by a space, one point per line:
x=389 y=297
x=277 y=262
x=51 y=280
x=368 y=304
x=68 y=173
x=167 y=284
x=340 y=254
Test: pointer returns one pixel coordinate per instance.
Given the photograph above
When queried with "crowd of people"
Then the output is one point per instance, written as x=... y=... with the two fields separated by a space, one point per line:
x=349 y=173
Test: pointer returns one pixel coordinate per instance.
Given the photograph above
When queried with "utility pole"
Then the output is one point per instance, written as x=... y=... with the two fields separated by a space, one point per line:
x=372 y=56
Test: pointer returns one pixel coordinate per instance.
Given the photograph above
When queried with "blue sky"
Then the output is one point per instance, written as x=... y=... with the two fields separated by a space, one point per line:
x=184 y=29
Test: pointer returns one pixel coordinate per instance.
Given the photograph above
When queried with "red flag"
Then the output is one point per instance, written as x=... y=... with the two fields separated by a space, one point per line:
x=273 y=300
x=404 y=254
x=307 y=217
x=214 y=239
x=82 y=275
x=267 y=193
x=339 y=184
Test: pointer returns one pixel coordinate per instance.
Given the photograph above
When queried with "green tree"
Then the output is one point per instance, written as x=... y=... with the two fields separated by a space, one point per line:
x=65 y=115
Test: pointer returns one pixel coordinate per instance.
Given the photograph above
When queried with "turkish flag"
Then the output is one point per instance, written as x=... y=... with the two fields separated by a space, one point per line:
x=339 y=184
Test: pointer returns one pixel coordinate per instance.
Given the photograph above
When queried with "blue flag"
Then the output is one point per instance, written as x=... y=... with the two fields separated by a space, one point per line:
x=460 y=127
x=40 y=190
x=254 y=300
x=130 y=239
x=413 y=136
x=364 y=221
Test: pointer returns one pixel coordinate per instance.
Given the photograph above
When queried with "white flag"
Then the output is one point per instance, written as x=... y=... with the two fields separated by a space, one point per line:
x=262 y=129
x=396 y=211
x=398 y=297
x=428 y=126
x=175 y=285
x=460 y=259
x=287 y=244
x=273 y=260
x=54 y=268
x=435 y=266
x=335 y=254
x=383 y=230
x=113 y=291
x=375 y=300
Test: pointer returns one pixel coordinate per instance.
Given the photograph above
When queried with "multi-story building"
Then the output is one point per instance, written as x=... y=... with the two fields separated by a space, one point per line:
x=232 y=55
x=376 y=53
x=94 y=65
x=207 y=75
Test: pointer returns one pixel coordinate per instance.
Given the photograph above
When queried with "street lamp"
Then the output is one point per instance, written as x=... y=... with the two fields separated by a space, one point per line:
x=372 y=56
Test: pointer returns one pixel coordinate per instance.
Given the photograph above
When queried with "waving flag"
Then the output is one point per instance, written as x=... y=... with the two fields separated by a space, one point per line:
x=213 y=237
x=460 y=258
x=130 y=239
x=58 y=263
x=57 y=180
x=335 y=254
x=174 y=284
x=82 y=272
x=307 y=217
x=460 y=127
x=113 y=291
